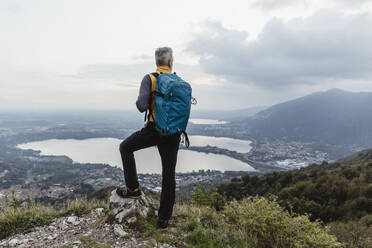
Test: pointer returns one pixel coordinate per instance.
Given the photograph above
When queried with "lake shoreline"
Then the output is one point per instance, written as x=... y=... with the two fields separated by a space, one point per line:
x=186 y=163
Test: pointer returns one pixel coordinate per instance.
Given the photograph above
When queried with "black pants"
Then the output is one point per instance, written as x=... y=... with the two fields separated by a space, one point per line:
x=168 y=149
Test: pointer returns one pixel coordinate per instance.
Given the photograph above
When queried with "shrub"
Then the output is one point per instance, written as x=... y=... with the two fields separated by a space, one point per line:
x=335 y=192
x=207 y=238
x=252 y=222
x=353 y=234
x=264 y=223
x=211 y=198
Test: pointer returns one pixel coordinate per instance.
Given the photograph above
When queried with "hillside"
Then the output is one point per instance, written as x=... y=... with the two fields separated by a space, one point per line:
x=253 y=222
x=357 y=158
x=334 y=117
x=338 y=193
x=330 y=192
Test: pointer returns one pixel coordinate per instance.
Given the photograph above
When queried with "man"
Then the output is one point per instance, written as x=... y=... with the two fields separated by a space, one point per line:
x=148 y=136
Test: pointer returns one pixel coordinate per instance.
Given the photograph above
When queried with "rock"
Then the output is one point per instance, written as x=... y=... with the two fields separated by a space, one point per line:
x=53 y=236
x=24 y=241
x=118 y=230
x=77 y=242
x=63 y=225
x=98 y=211
x=14 y=242
x=73 y=220
x=125 y=208
x=134 y=240
x=131 y=220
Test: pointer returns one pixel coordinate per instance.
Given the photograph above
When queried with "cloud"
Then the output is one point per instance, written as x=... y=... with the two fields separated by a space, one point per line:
x=325 y=46
x=129 y=75
x=116 y=72
x=352 y=3
x=144 y=57
x=274 y=4
x=277 y=4
x=9 y=6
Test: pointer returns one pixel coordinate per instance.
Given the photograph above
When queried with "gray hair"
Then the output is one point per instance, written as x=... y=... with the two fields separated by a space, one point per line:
x=163 y=55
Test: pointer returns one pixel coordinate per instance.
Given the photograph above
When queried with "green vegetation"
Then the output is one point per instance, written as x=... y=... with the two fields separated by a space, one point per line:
x=19 y=219
x=203 y=197
x=207 y=221
x=88 y=242
x=253 y=222
x=331 y=192
x=353 y=234
x=250 y=222
x=339 y=194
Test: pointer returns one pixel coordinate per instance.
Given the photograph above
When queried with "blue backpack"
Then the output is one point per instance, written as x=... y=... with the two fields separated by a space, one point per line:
x=172 y=104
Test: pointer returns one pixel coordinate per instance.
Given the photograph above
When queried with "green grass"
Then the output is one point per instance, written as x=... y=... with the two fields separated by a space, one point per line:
x=20 y=219
x=254 y=222
x=90 y=242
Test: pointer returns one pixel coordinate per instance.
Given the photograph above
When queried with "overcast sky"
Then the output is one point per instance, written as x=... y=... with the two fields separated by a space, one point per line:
x=236 y=54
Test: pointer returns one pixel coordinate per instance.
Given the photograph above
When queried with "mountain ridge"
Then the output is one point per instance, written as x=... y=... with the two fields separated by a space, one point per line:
x=334 y=117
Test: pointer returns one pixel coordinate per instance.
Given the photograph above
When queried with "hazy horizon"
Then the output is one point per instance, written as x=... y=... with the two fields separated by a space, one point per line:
x=134 y=109
x=93 y=55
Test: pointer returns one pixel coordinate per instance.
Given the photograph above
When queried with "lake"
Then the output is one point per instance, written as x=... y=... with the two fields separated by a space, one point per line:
x=207 y=121
x=241 y=146
x=106 y=150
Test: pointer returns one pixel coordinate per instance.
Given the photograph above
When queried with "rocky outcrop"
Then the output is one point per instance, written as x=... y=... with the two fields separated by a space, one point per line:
x=71 y=231
x=127 y=210
x=80 y=231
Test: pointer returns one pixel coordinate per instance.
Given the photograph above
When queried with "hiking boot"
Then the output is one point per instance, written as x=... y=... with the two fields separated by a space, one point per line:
x=127 y=193
x=162 y=223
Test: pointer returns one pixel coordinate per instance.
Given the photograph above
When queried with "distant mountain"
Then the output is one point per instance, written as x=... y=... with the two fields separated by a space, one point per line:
x=332 y=117
x=226 y=115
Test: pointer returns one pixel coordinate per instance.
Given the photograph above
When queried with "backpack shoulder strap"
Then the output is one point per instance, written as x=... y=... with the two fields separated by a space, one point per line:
x=155 y=74
x=153 y=77
x=186 y=140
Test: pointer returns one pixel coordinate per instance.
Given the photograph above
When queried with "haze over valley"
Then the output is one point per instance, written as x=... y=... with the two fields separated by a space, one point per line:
x=319 y=127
